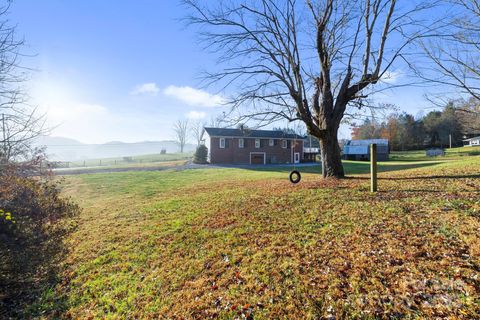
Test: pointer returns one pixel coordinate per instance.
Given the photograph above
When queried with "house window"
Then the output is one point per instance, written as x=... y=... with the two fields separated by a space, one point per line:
x=241 y=143
x=257 y=143
x=284 y=144
x=222 y=143
x=271 y=142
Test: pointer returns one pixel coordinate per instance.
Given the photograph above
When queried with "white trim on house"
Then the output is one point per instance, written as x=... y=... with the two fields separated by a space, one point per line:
x=264 y=156
x=295 y=160
x=221 y=143
x=241 y=143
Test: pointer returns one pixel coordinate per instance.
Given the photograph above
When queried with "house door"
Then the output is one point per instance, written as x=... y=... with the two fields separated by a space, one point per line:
x=257 y=158
x=297 y=157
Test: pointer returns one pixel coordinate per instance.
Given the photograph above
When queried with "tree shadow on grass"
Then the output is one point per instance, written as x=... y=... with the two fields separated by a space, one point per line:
x=426 y=177
x=435 y=177
x=350 y=167
x=364 y=167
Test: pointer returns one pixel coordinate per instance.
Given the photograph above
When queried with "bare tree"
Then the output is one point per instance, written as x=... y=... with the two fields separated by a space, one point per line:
x=307 y=61
x=217 y=121
x=181 y=132
x=456 y=54
x=19 y=122
x=197 y=129
x=19 y=129
x=468 y=113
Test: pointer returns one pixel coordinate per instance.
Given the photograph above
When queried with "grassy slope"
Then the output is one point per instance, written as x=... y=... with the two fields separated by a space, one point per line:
x=227 y=242
x=450 y=154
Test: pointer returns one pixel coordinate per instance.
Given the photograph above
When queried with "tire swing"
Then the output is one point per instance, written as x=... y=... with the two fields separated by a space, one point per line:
x=295 y=175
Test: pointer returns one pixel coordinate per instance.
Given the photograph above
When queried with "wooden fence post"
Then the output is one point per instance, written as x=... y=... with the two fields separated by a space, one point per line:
x=373 y=167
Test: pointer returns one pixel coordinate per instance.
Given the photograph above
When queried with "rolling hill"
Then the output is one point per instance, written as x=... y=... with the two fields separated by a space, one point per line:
x=66 y=149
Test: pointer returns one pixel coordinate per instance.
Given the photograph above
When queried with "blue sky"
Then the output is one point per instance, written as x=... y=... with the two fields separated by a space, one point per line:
x=123 y=70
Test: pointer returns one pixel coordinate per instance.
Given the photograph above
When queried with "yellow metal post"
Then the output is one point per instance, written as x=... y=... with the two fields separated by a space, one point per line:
x=373 y=167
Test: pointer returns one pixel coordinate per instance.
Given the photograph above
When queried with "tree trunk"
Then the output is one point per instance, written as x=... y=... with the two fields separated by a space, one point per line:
x=331 y=156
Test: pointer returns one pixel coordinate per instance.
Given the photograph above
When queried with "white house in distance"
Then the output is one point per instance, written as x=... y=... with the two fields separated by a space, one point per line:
x=475 y=141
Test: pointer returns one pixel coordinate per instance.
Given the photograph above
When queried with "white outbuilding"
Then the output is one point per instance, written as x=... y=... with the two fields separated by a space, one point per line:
x=475 y=141
x=360 y=149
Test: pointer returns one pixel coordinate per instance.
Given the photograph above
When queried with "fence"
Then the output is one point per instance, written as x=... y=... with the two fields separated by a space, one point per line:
x=124 y=161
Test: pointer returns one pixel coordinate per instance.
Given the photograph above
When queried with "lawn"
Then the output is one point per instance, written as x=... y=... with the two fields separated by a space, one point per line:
x=453 y=153
x=121 y=167
x=233 y=243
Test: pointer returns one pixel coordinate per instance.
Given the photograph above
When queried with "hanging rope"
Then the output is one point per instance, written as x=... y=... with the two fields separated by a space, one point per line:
x=295 y=175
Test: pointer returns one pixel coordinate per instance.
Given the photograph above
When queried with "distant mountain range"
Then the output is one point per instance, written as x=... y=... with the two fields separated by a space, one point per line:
x=66 y=149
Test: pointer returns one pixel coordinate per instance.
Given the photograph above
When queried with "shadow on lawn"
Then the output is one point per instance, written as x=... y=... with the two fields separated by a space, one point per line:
x=464 y=176
x=428 y=177
x=350 y=167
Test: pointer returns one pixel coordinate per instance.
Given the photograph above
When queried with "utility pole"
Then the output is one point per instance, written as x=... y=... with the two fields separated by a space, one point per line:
x=450 y=140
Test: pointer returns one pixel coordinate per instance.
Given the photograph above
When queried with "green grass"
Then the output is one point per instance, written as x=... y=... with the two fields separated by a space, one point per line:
x=141 y=160
x=124 y=165
x=232 y=243
x=419 y=155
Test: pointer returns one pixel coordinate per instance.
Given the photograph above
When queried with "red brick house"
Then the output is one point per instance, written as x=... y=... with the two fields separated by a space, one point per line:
x=245 y=146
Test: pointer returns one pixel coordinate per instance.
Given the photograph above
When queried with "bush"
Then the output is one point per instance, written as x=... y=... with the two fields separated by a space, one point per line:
x=201 y=154
x=34 y=219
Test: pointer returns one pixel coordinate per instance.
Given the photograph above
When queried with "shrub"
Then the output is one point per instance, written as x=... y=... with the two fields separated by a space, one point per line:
x=34 y=219
x=201 y=154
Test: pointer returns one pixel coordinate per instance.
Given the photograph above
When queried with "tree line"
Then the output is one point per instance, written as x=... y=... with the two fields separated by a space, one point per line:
x=456 y=121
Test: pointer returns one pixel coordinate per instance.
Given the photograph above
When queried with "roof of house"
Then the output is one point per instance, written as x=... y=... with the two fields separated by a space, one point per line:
x=249 y=133
x=367 y=142
x=474 y=138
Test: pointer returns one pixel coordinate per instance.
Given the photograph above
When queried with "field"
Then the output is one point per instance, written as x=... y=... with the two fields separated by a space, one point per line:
x=134 y=161
x=453 y=153
x=238 y=243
